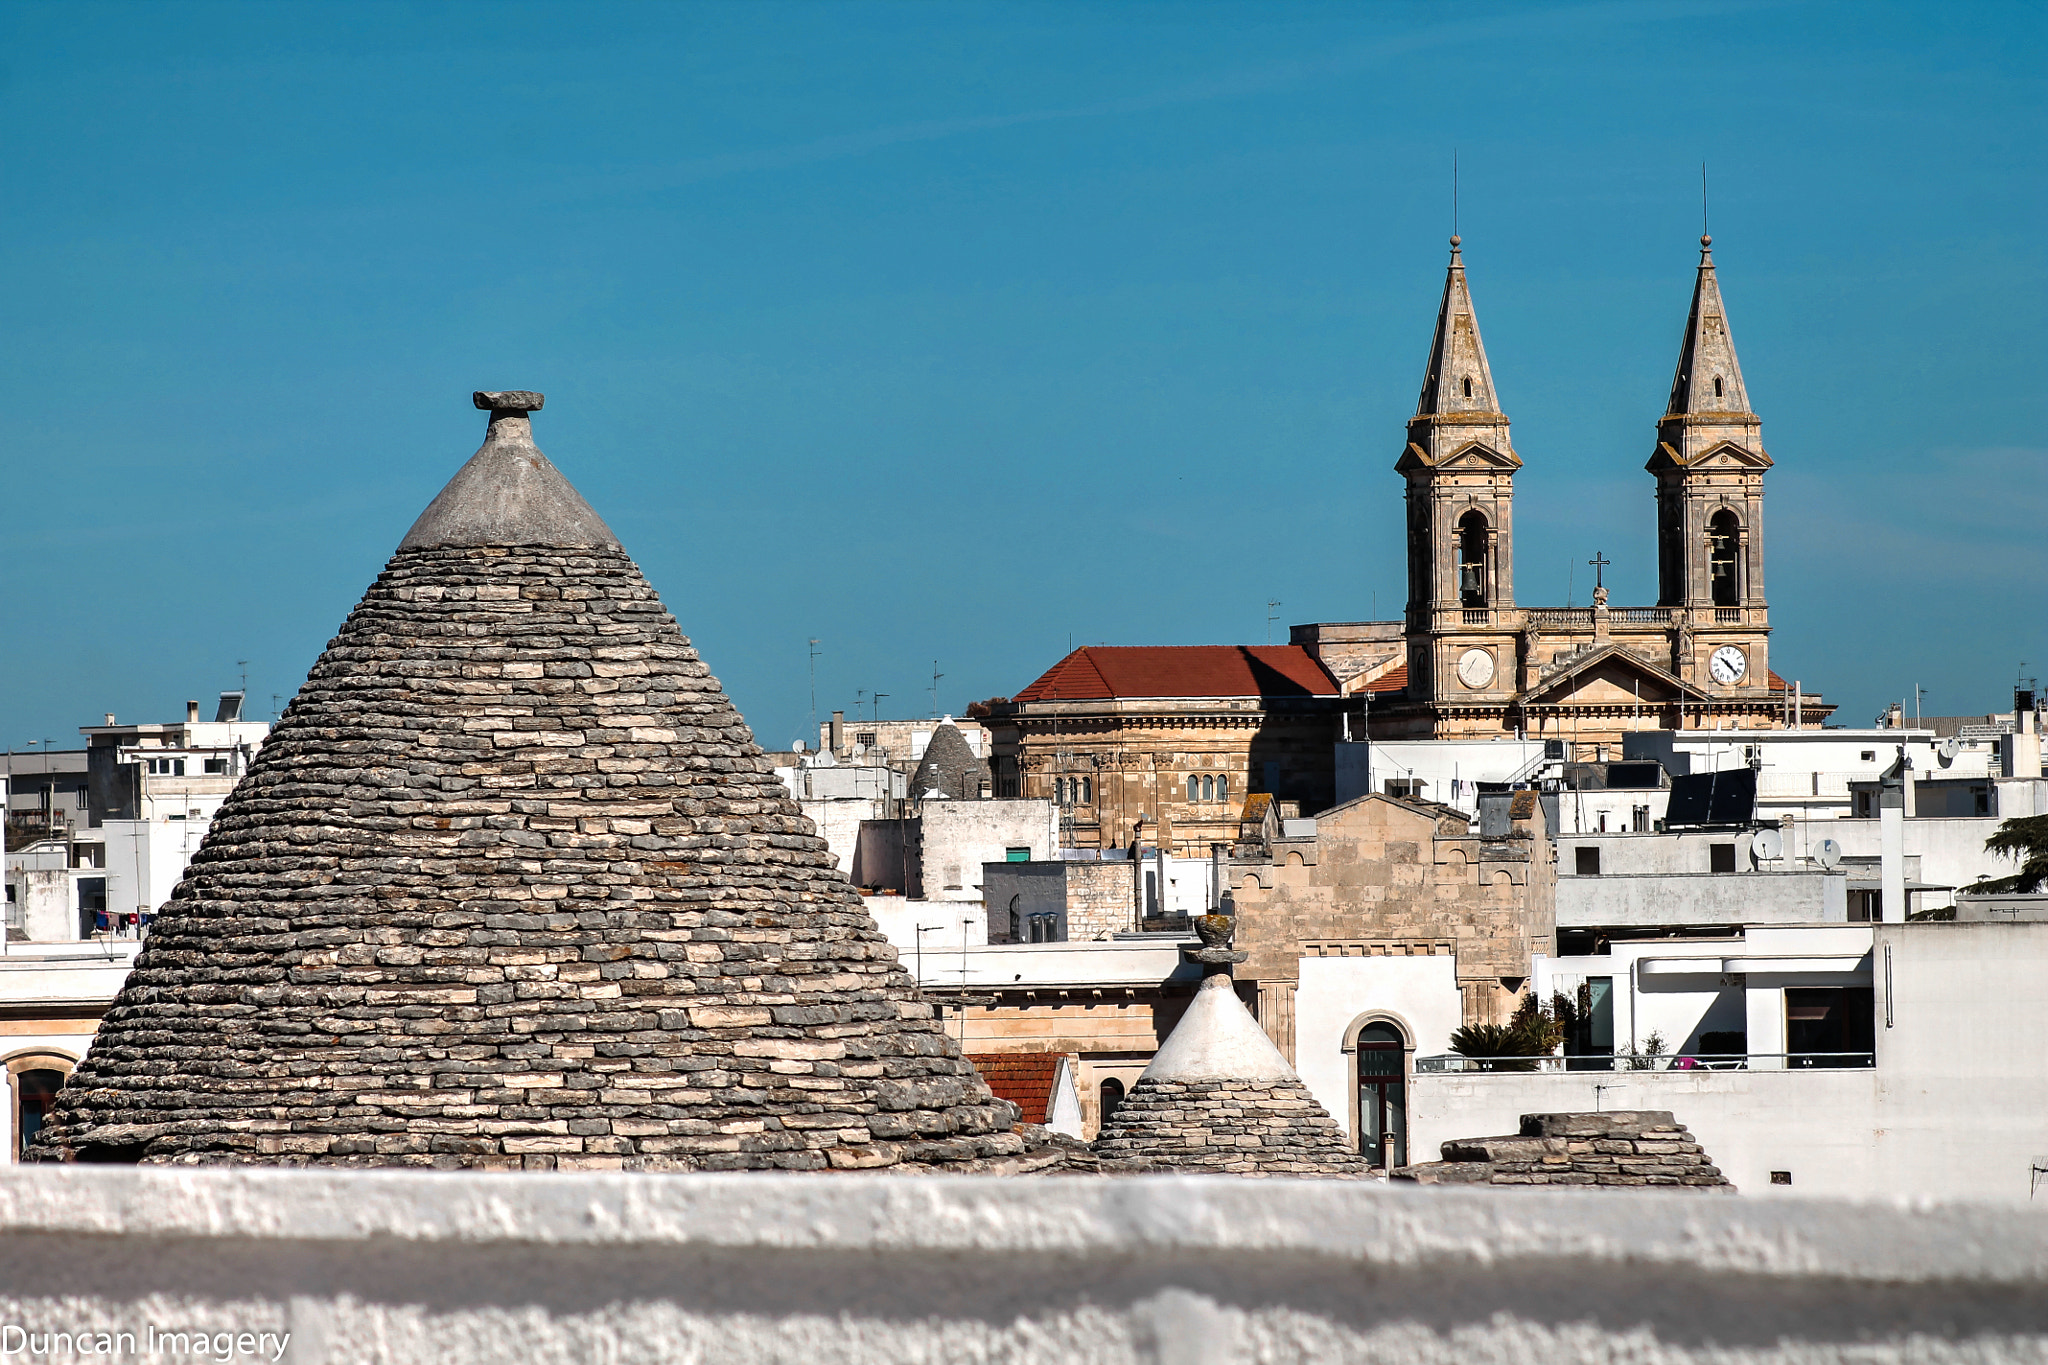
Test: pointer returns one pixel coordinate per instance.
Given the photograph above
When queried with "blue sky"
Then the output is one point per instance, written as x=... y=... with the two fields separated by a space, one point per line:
x=964 y=332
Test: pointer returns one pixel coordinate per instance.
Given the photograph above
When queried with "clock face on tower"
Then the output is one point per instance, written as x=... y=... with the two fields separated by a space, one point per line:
x=1475 y=668
x=1728 y=664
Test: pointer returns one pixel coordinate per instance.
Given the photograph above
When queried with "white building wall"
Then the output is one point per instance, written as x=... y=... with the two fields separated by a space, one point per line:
x=957 y=837
x=1417 y=994
x=941 y=927
x=449 y=1269
x=1955 y=1107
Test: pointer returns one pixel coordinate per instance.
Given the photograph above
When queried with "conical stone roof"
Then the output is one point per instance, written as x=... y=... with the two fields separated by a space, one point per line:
x=511 y=885
x=1218 y=1096
x=948 y=767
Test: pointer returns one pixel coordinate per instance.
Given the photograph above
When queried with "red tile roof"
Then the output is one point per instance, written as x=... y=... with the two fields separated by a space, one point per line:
x=1393 y=680
x=1023 y=1078
x=1183 y=671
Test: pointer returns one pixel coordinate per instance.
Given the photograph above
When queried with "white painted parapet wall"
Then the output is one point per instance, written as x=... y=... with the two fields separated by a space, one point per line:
x=424 y=1268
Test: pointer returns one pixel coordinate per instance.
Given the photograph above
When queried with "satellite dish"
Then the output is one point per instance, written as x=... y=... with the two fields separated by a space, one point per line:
x=1950 y=747
x=1827 y=853
x=1767 y=844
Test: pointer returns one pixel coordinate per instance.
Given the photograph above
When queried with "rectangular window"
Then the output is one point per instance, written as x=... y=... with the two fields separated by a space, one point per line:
x=217 y=766
x=1586 y=861
x=866 y=739
x=1720 y=857
x=1866 y=907
x=1830 y=1026
x=1016 y=855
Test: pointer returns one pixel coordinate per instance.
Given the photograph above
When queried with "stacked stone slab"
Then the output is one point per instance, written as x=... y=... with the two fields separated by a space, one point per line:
x=511 y=885
x=1622 y=1149
x=1218 y=1096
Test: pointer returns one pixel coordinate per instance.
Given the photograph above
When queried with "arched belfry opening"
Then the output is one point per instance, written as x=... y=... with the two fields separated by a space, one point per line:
x=1472 y=551
x=1724 y=566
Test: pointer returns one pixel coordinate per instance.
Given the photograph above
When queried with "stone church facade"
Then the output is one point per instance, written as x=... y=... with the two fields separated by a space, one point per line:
x=1466 y=661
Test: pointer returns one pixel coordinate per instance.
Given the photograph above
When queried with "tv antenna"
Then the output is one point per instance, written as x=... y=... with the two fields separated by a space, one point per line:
x=936 y=675
x=814 y=684
x=1272 y=615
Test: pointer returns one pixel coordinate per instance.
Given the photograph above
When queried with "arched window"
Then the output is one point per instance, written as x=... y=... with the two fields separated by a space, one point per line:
x=1208 y=789
x=1717 y=386
x=1087 y=791
x=35 y=1096
x=1016 y=919
x=1468 y=387
x=1194 y=787
x=1472 y=559
x=1382 y=1097
x=1724 y=542
x=1111 y=1093
x=1223 y=789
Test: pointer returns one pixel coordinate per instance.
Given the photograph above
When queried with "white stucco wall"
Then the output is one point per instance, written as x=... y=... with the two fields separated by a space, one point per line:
x=1419 y=994
x=959 y=836
x=1956 y=1105
x=425 y=1269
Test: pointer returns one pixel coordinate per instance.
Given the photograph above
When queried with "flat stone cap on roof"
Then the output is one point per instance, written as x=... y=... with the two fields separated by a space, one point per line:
x=509 y=400
x=509 y=494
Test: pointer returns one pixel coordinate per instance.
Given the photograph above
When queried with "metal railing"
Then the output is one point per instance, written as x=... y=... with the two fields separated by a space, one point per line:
x=1685 y=1061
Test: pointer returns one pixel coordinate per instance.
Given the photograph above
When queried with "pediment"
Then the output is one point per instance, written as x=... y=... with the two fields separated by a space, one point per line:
x=1729 y=455
x=1726 y=455
x=1608 y=675
x=1477 y=456
x=1472 y=457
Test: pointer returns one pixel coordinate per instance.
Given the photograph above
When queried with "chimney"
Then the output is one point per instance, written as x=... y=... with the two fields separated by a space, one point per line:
x=110 y=717
x=838 y=731
x=191 y=713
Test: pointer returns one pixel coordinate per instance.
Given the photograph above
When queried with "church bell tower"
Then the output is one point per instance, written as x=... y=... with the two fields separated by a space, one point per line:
x=1710 y=465
x=1460 y=469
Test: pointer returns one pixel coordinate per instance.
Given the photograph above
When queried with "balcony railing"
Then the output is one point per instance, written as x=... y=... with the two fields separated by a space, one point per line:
x=1560 y=616
x=1691 y=1061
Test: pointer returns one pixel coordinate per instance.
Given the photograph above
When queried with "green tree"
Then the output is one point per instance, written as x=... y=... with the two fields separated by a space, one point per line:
x=2024 y=839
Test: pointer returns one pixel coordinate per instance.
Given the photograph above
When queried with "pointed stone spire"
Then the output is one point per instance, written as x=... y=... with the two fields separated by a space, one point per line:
x=511 y=885
x=1709 y=407
x=1218 y=1096
x=1708 y=380
x=1458 y=380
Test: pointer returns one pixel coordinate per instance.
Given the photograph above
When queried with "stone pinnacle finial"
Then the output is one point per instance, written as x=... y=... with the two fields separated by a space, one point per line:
x=508 y=493
x=509 y=400
x=1216 y=956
